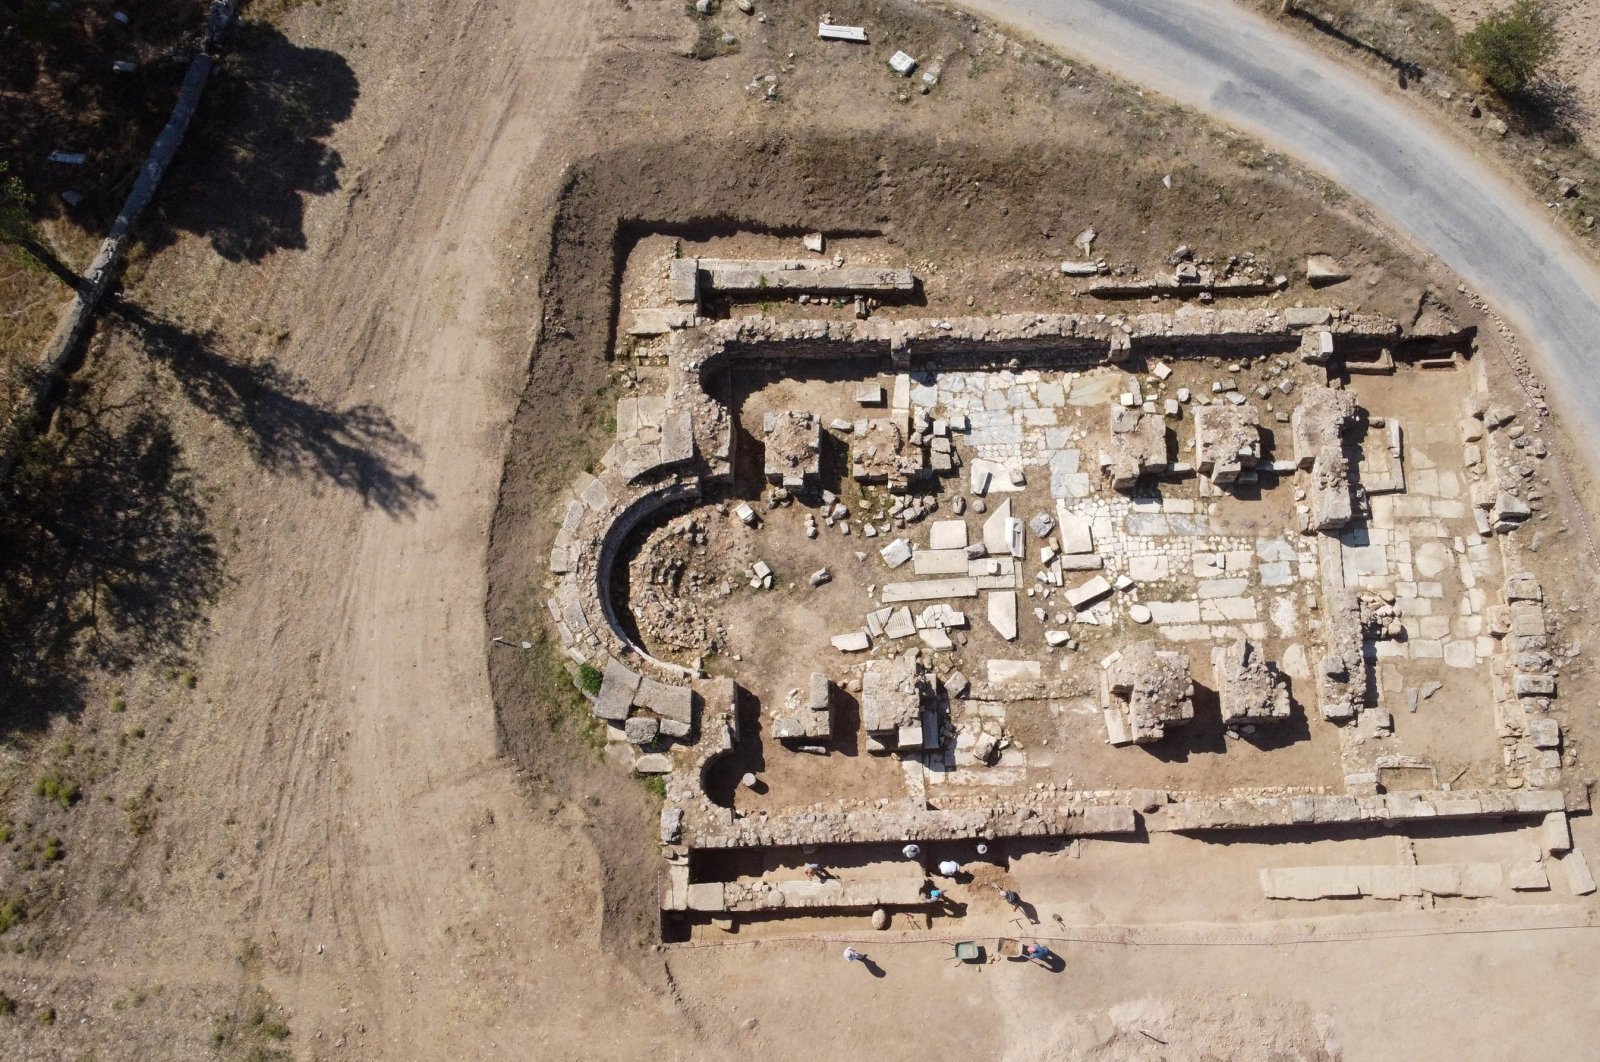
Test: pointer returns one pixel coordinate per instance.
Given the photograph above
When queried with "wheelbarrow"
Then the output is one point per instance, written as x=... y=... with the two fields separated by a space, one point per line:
x=967 y=951
x=1008 y=948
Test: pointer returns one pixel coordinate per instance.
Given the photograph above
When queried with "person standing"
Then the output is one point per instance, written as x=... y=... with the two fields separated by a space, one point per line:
x=852 y=955
x=949 y=868
x=912 y=851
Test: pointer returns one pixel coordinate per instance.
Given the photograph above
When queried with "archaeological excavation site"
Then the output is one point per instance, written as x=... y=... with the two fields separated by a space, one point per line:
x=873 y=591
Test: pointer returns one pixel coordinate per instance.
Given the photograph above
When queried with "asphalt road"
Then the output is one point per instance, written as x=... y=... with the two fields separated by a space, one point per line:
x=1238 y=67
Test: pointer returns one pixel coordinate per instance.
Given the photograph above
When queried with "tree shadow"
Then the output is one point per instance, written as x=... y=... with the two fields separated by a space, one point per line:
x=258 y=147
x=1552 y=108
x=61 y=93
x=358 y=448
x=105 y=555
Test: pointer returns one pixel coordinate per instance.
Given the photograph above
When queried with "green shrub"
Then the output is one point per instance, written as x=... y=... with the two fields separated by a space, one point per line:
x=589 y=679
x=53 y=785
x=11 y=913
x=1507 y=48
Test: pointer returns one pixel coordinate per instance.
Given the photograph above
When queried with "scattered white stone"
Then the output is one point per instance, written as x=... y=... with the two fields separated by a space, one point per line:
x=854 y=642
x=896 y=553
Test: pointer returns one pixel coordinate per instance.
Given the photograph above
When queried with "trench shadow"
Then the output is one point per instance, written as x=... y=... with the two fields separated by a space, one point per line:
x=259 y=147
x=1202 y=734
x=748 y=755
x=357 y=448
x=106 y=555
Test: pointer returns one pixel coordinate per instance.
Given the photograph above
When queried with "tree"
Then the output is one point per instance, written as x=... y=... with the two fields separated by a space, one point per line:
x=14 y=205
x=1508 y=47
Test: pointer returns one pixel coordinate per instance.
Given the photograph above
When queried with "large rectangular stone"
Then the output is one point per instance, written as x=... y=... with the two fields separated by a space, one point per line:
x=677 y=438
x=947 y=534
x=997 y=530
x=1554 y=833
x=928 y=590
x=1087 y=594
x=1077 y=534
x=1308 y=883
x=618 y=685
x=1003 y=613
x=683 y=280
x=1014 y=671
x=939 y=562
x=706 y=896
x=1174 y=611
x=1579 y=878
x=669 y=702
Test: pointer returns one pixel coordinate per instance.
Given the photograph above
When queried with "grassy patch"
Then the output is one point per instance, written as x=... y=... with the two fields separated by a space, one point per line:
x=552 y=685
x=140 y=812
x=54 y=785
x=589 y=679
x=12 y=913
x=710 y=40
x=654 y=783
x=254 y=1031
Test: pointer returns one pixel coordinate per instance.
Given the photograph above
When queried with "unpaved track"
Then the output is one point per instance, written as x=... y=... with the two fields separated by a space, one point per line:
x=1236 y=66
x=405 y=894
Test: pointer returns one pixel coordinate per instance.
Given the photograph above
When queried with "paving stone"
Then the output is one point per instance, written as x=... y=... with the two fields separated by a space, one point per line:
x=1175 y=611
x=1277 y=573
x=1014 y=671
x=1003 y=613
x=947 y=534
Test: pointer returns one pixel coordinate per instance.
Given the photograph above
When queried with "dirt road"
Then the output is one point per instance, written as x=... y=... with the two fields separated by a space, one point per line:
x=1232 y=64
x=408 y=898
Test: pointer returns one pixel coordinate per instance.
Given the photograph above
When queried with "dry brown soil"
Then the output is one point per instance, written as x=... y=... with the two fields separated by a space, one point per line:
x=311 y=833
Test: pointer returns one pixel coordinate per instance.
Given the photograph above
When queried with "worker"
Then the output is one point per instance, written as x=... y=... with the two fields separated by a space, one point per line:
x=852 y=955
x=814 y=870
x=1038 y=953
x=949 y=868
x=1008 y=896
x=912 y=851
